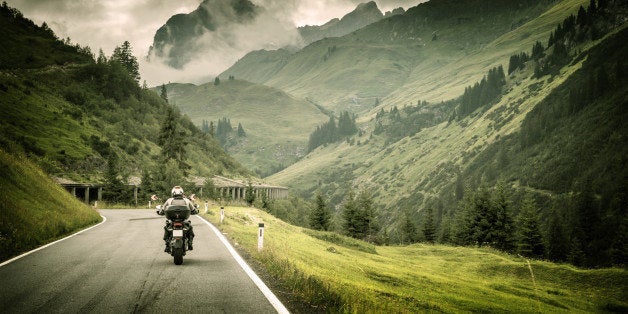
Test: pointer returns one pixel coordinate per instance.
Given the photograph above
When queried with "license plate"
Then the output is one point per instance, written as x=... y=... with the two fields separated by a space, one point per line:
x=177 y=233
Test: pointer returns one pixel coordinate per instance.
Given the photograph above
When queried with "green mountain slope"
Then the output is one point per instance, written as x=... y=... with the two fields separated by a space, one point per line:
x=436 y=80
x=533 y=139
x=69 y=113
x=277 y=125
x=407 y=49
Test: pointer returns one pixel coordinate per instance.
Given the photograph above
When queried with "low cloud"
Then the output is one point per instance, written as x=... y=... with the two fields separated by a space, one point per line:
x=105 y=24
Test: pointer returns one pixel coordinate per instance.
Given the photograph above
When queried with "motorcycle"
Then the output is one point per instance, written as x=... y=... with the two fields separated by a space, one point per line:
x=177 y=228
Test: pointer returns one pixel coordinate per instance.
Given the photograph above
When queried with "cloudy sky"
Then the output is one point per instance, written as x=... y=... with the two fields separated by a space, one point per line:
x=105 y=24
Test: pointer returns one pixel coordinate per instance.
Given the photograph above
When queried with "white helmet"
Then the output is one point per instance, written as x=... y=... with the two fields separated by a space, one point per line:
x=177 y=191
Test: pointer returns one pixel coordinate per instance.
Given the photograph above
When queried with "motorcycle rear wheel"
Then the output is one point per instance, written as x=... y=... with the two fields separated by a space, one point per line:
x=178 y=256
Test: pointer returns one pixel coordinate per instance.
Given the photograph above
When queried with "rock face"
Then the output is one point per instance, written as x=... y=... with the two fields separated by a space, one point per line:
x=177 y=41
x=364 y=14
x=223 y=25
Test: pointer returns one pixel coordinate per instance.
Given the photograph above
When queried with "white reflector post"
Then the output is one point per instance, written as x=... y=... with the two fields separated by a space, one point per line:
x=260 y=237
x=206 y=208
x=222 y=213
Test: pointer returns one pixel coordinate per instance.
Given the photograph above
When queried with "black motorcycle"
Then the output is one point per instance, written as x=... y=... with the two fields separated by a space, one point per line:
x=177 y=227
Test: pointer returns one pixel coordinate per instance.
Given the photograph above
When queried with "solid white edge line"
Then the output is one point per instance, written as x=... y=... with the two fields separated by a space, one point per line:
x=51 y=243
x=272 y=298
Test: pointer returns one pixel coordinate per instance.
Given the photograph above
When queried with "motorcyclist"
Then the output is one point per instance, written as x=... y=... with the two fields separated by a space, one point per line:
x=179 y=198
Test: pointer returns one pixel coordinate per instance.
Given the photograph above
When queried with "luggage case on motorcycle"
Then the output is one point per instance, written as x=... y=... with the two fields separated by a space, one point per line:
x=177 y=212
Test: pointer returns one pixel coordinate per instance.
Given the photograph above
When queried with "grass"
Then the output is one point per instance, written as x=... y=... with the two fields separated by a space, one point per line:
x=277 y=125
x=339 y=274
x=34 y=210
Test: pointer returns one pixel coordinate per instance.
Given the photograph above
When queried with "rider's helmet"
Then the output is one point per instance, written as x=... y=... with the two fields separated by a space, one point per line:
x=177 y=192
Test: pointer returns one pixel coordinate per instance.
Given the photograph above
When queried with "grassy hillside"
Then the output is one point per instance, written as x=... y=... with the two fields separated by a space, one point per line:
x=34 y=209
x=411 y=49
x=277 y=125
x=333 y=273
x=70 y=113
x=436 y=80
x=421 y=170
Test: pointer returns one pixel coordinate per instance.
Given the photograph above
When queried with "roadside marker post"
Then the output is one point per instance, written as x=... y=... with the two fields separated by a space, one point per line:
x=206 y=208
x=260 y=237
x=222 y=214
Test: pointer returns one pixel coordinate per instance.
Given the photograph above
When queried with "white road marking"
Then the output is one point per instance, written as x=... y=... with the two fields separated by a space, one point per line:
x=51 y=243
x=258 y=282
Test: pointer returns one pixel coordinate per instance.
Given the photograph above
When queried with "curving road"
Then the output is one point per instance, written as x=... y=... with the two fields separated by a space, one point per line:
x=119 y=266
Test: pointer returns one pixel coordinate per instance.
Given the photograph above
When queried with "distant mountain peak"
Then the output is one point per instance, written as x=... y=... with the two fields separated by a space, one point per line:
x=363 y=15
x=175 y=41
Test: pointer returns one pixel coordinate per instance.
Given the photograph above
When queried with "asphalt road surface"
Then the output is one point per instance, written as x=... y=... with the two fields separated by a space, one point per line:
x=120 y=267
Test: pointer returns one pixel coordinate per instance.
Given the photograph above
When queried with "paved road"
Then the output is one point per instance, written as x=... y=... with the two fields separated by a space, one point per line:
x=120 y=267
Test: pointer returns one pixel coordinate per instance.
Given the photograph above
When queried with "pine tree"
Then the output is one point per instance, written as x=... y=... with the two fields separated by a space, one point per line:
x=459 y=188
x=320 y=216
x=366 y=217
x=124 y=55
x=429 y=230
x=250 y=194
x=113 y=190
x=216 y=81
x=164 y=93
x=537 y=51
x=503 y=228
x=408 y=230
x=529 y=239
x=172 y=141
x=241 y=132
x=557 y=242
x=350 y=216
x=102 y=59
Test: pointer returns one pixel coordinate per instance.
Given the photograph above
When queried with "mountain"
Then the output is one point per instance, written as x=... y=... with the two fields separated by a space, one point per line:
x=419 y=48
x=178 y=41
x=364 y=14
x=444 y=128
x=554 y=131
x=78 y=118
x=276 y=124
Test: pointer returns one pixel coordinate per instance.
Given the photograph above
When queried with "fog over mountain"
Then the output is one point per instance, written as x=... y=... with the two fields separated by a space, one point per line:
x=106 y=24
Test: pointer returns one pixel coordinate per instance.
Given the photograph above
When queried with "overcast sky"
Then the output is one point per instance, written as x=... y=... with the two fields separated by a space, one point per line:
x=105 y=24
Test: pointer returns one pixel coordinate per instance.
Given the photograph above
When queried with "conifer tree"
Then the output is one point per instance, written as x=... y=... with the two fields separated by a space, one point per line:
x=113 y=190
x=320 y=216
x=366 y=217
x=408 y=230
x=429 y=230
x=529 y=239
x=241 y=132
x=164 y=93
x=557 y=242
x=503 y=228
x=172 y=141
x=350 y=216
x=124 y=55
x=250 y=194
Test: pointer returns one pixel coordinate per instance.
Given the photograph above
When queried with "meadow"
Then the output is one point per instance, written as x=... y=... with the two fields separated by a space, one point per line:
x=335 y=273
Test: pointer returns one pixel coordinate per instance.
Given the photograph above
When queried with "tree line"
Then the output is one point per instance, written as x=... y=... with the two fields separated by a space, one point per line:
x=485 y=92
x=587 y=24
x=223 y=130
x=331 y=131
